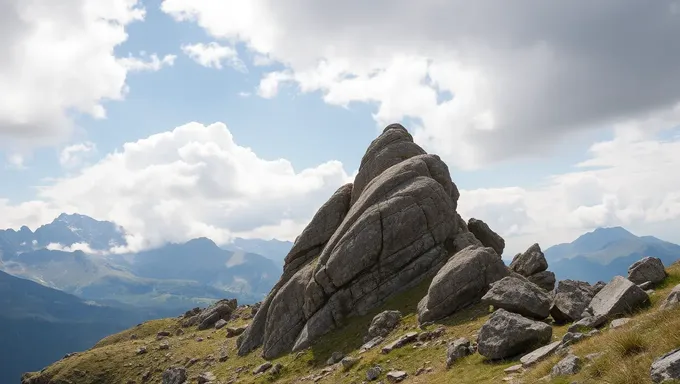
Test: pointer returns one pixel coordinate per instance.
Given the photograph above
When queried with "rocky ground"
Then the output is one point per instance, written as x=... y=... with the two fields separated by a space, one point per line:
x=389 y=284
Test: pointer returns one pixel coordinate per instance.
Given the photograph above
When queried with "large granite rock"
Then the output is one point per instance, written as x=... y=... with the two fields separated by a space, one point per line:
x=647 y=269
x=530 y=262
x=571 y=299
x=545 y=280
x=673 y=299
x=619 y=297
x=463 y=281
x=519 y=296
x=486 y=236
x=382 y=324
x=666 y=367
x=399 y=229
x=508 y=334
x=206 y=318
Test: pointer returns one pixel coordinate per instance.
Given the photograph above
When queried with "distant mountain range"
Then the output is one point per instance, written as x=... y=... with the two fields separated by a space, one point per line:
x=605 y=253
x=38 y=325
x=177 y=276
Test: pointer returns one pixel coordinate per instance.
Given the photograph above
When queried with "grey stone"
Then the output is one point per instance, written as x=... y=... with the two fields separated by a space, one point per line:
x=262 y=368
x=508 y=334
x=396 y=376
x=174 y=375
x=371 y=344
x=673 y=299
x=519 y=296
x=373 y=373
x=619 y=297
x=513 y=369
x=382 y=324
x=616 y=323
x=570 y=365
x=597 y=287
x=666 y=367
x=233 y=332
x=530 y=262
x=462 y=281
x=276 y=369
x=335 y=358
x=647 y=269
x=348 y=362
x=486 y=236
x=206 y=377
x=539 y=354
x=646 y=285
x=400 y=342
x=456 y=350
x=571 y=299
x=588 y=322
x=221 y=309
x=220 y=323
x=544 y=279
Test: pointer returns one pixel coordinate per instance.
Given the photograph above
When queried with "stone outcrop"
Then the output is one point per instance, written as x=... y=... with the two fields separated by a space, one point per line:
x=206 y=318
x=382 y=324
x=666 y=367
x=533 y=265
x=395 y=226
x=520 y=296
x=570 y=365
x=508 y=334
x=619 y=297
x=647 y=269
x=486 y=236
x=463 y=281
x=673 y=299
x=571 y=299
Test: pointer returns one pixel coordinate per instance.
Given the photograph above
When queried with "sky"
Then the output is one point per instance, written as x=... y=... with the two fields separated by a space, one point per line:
x=239 y=118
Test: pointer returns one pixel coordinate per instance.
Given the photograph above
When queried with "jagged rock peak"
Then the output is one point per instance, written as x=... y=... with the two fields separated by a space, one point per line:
x=395 y=226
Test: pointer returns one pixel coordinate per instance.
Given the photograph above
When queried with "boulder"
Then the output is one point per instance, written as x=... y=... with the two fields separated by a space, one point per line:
x=519 y=296
x=486 y=236
x=221 y=310
x=673 y=299
x=544 y=279
x=539 y=354
x=530 y=262
x=666 y=367
x=382 y=324
x=647 y=269
x=456 y=350
x=174 y=375
x=619 y=297
x=570 y=365
x=588 y=322
x=508 y=334
x=373 y=373
x=597 y=287
x=399 y=230
x=462 y=281
x=571 y=299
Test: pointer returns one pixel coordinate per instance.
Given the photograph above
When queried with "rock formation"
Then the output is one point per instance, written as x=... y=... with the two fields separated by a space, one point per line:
x=486 y=235
x=571 y=299
x=395 y=226
x=507 y=334
x=648 y=269
x=619 y=297
x=533 y=265
x=519 y=296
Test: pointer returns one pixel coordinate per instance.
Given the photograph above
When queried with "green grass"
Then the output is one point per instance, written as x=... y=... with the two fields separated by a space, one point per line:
x=628 y=351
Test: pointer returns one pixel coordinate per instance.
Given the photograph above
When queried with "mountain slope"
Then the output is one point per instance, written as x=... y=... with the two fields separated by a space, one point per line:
x=38 y=325
x=605 y=253
x=273 y=249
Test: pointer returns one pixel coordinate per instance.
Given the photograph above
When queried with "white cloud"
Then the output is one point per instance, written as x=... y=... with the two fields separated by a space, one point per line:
x=16 y=161
x=212 y=55
x=73 y=155
x=189 y=182
x=523 y=74
x=58 y=59
x=138 y=64
x=84 y=247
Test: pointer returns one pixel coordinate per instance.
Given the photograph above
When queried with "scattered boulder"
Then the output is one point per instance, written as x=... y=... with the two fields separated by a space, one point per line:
x=666 y=367
x=335 y=358
x=571 y=299
x=206 y=377
x=588 y=322
x=174 y=375
x=220 y=324
x=456 y=350
x=396 y=376
x=570 y=365
x=519 y=296
x=373 y=373
x=539 y=354
x=673 y=299
x=597 y=287
x=233 y=332
x=348 y=362
x=545 y=280
x=382 y=324
x=264 y=367
x=616 y=323
x=206 y=318
x=647 y=269
x=141 y=350
x=400 y=342
x=462 y=281
x=371 y=343
x=276 y=369
x=530 y=262
x=508 y=334
x=619 y=297
x=486 y=236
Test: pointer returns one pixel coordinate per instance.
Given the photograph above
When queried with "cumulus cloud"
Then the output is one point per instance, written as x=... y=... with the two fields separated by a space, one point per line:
x=190 y=182
x=73 y=155
x=522 y=75
x=212 y=55
x=58 y=59
x=153 y=64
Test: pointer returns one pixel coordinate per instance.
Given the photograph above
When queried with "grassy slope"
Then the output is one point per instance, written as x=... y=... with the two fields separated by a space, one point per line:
x=113 y=360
